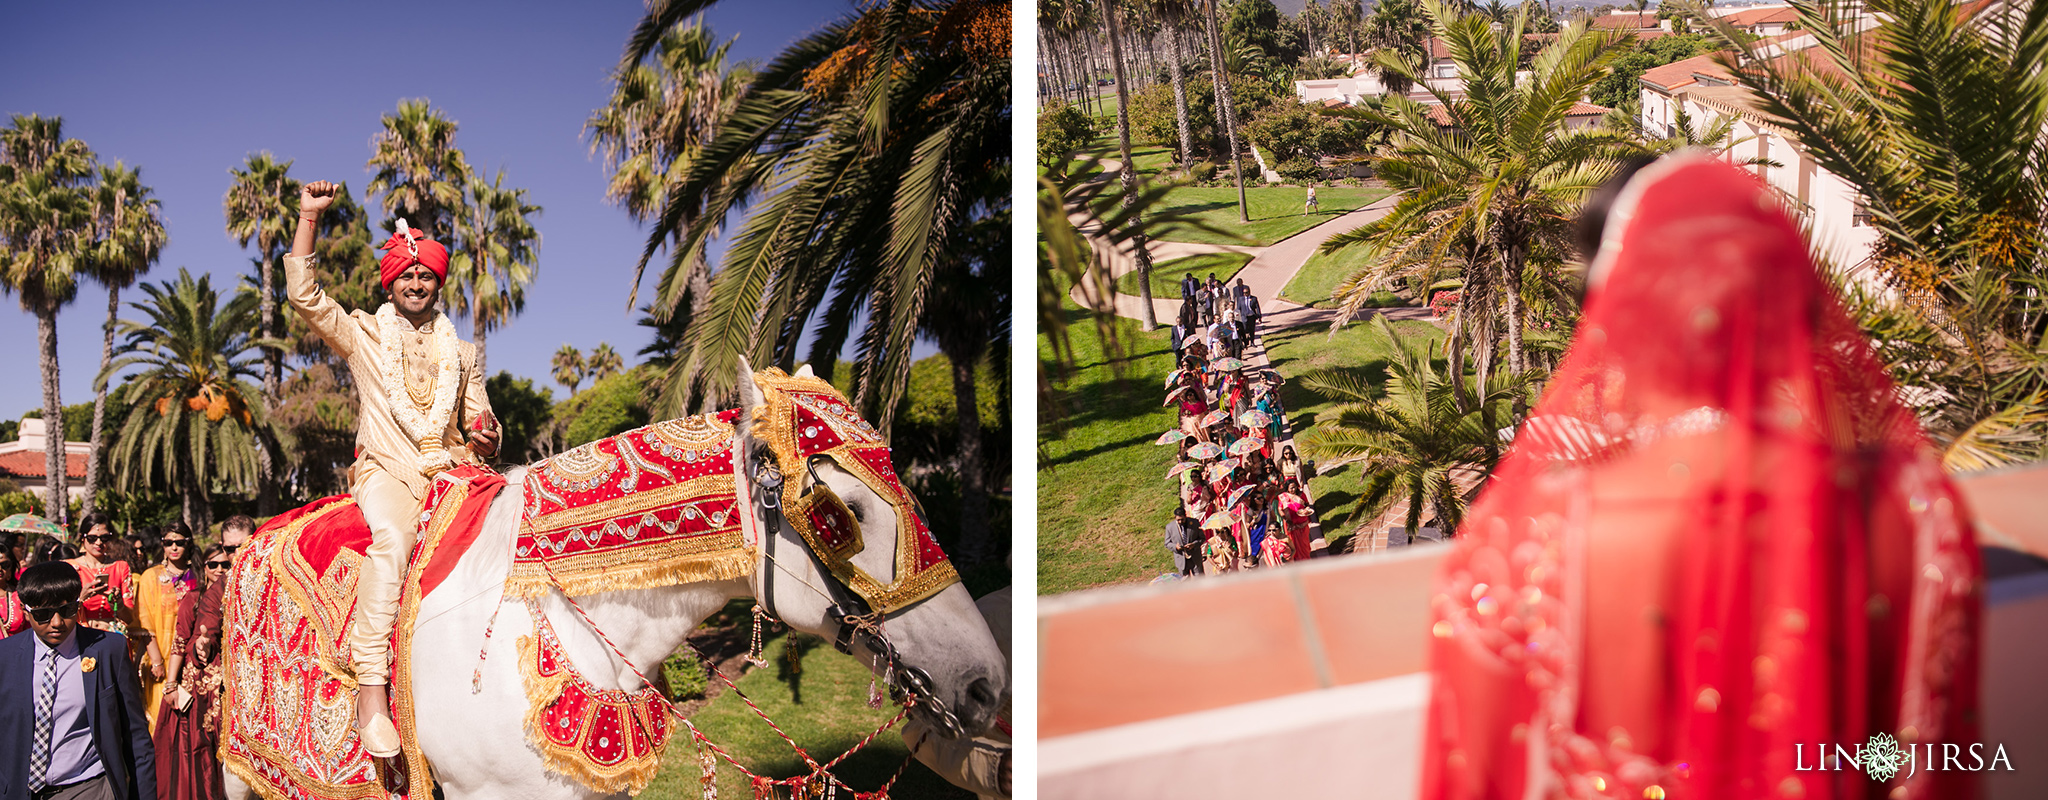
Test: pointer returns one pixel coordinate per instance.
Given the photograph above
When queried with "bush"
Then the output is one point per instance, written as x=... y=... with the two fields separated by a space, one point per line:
x=1299 y=170
x=684 y=674
x=1062 y=129
x=1384 y=299
x=1202 y=171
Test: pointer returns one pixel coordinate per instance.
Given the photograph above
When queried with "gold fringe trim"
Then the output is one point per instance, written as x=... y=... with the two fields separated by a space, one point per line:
x=631 y=775
x=531 y=580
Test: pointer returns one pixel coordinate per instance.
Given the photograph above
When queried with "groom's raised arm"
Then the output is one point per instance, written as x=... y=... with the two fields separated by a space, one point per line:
x=305 y=295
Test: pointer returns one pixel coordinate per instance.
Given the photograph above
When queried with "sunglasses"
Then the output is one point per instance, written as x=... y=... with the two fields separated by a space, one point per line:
x=95 y=538
x=230 y=548
x=219 y=564
x=177 y=542
x=43 y=615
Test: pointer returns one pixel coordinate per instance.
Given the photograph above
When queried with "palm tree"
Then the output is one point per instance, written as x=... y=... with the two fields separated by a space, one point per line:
x=1128 y=176
x=129 y=239
x=861 y=152
x=1935 y=117
x=195 y=423
x=495 y=261
x=45 y=242
x=419 y=172
x=1505 y=179
x=262 y=204
x=569 y=367
x=1174 y=15
x=973 y=287
x=1398 y=30
x=1413 y=438
x=1226 y=110
x=603 y=363
x=662 y=113
x=1346 y=17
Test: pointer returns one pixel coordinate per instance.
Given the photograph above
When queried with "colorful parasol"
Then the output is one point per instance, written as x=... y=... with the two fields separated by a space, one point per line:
x=1173 y=376
x=1239 y=494
x=1205 y=451
x=1214 y=417
x=1218 y=520
x=1247 y=446
x=1174 y=395
x=1227 y=364
x=34 y=526
x=1221 y=468
x=1171 y=436
x=1255 y=419
x=1181 y=467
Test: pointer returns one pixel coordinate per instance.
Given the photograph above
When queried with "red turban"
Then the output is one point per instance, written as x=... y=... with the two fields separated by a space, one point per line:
x=399 y=258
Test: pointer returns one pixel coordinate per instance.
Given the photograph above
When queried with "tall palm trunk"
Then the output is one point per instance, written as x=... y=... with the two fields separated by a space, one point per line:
x=273 y=378
x=1180 y=94
x=1512 y=253
x=99 y=404
x=974 y=527
x=476 y=331
x=1129 y=174
x=53 y=417
x=1226 y=111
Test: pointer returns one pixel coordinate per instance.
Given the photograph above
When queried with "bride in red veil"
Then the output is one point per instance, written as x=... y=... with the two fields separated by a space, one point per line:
x=1718 y=544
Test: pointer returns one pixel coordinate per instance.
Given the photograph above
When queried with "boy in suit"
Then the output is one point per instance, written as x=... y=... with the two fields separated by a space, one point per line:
x=69 y=703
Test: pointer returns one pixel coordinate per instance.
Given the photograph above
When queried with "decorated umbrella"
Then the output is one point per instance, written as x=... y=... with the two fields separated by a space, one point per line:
x=34 y=526
x=1219 y=520
x=1222 y=468
x=1254 y=419
x=1247 y=446
x=1173 y=376
x=1205 y=451
x=1171 y=436
x=1238 y=495
x=1214 y=417
x=1181 y=467
x=1227 y=364
x=1174 y=395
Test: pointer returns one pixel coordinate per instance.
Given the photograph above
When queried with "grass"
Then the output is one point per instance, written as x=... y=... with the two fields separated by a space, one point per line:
x=1275 y=211
x=823 y=706
x=1166 y=275
x=1151 y=159
x=1318 y=278
x=1102 y=497
x=1357 y=347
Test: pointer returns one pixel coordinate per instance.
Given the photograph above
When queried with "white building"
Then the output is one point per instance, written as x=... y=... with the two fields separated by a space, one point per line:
x=24 y=461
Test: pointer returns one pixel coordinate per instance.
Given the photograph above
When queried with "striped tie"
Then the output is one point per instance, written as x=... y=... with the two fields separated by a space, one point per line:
x=46 y=712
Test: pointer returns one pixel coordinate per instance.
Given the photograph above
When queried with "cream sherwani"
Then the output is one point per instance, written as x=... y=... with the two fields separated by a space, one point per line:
x=391 y=473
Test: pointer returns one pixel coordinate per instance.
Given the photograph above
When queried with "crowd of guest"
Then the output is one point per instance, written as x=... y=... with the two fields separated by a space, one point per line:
x=1242 y=497
x=160 y=591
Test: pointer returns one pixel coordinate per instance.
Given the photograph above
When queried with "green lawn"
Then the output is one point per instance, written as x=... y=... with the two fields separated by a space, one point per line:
x=823 y=707
x=1151 y=159
x=1103 y=499
x=1276 y=211
x=1318 y=278
x=1166 y=275
x=1357 y=347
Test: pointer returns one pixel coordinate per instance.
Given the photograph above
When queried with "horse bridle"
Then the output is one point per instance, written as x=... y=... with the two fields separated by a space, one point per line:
x=857 y=622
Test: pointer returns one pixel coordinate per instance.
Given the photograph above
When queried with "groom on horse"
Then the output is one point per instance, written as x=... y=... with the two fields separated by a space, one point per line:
x=418 y=390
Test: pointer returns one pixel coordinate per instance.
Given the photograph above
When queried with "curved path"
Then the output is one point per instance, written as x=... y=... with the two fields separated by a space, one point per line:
x=1269 y=271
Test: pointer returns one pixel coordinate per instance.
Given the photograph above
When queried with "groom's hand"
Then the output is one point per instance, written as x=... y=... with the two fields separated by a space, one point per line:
x=315 y=197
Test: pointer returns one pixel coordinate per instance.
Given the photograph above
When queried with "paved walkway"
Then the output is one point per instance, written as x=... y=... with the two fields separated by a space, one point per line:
x=1269 y=272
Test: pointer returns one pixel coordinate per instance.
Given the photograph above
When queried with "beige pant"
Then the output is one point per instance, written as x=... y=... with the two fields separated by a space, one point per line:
x=393 y=514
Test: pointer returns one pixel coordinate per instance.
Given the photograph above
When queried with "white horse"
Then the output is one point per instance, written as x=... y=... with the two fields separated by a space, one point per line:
x=477 y=742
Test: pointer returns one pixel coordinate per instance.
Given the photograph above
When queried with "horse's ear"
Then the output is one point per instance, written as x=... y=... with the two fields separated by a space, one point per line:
x=750 y=392
x=805 y=372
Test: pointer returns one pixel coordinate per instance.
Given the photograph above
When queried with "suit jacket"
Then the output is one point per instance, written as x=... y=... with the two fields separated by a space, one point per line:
x=113 y=708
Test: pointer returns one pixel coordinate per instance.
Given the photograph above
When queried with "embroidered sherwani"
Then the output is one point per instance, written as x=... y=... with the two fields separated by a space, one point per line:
x=393 y=466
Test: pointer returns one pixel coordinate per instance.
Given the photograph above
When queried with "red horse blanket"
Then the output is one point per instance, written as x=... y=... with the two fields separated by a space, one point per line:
x=290 y=704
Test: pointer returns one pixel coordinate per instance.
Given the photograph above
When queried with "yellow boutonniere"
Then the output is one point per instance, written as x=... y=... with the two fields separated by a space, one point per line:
x=87 y=664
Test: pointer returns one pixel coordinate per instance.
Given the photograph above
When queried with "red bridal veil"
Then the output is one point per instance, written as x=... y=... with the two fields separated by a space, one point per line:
x=1718 y=544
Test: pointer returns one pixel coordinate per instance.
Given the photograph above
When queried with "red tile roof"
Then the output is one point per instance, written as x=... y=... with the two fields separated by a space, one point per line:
x=1749 y=18
x=1585 y=109
x=1629 y=20
x=30 y=464
x=1680 y=73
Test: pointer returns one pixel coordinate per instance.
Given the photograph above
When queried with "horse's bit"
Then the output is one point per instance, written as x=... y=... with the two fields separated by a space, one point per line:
x=856 y=620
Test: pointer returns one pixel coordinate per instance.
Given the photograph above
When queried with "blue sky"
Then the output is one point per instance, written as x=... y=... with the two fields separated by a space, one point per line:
x=186 y=91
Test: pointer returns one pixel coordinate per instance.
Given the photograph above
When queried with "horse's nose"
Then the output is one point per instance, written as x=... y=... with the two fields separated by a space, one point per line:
x=982 y=692
x=981 y=704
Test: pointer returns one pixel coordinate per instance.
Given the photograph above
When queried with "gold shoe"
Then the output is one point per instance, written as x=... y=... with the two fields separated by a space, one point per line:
x=380 y=737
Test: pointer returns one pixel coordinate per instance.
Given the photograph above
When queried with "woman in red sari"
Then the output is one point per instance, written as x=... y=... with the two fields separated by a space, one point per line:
x=109 y=586
x=188 y=719
x=1718 y=539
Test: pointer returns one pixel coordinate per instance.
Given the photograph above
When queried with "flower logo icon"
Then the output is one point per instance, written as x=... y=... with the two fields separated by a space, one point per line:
x=1882 y=757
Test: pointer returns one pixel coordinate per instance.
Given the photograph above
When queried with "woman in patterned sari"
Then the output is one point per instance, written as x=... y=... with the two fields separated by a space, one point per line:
x=157 y=594
x=188 y=727
x=1718 y=538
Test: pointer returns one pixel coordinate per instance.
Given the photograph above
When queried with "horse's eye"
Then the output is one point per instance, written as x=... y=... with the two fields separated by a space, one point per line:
x=859 y=512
